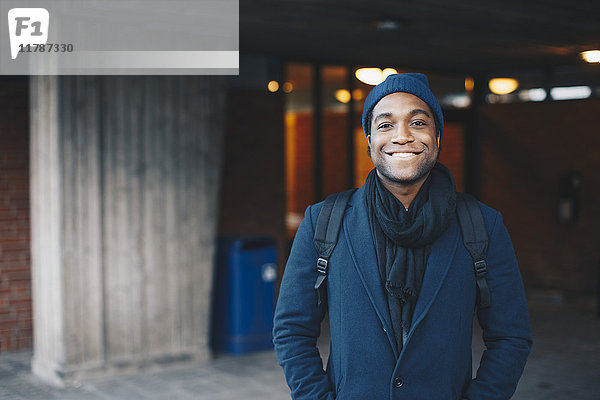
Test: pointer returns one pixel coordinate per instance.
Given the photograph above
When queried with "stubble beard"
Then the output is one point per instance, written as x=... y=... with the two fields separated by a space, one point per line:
x=423 y=170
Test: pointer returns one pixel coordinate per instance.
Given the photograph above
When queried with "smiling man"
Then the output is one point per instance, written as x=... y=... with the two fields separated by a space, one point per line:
x=401 y=289
x=404 y=143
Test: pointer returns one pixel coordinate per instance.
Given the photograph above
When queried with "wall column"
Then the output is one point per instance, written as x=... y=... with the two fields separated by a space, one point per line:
x=124 y=188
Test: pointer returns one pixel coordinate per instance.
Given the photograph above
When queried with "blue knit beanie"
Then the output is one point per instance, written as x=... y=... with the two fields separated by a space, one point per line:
x=415 y=84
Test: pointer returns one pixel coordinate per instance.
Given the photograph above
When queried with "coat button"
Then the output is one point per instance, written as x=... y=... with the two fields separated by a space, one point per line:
x=398 y=382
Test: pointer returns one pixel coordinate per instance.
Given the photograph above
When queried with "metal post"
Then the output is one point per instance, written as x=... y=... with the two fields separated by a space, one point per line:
x=598 y=294
x=318 y=134
x=472 y=140
x=350 y=138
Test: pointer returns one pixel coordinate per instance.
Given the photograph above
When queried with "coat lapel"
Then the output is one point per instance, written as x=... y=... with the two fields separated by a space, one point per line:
x=362 y=250
x=438 y=264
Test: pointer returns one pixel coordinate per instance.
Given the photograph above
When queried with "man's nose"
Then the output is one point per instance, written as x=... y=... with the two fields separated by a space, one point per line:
x=402 y=135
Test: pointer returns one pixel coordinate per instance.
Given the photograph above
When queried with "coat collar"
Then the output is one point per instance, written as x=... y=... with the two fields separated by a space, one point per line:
x=362 y=250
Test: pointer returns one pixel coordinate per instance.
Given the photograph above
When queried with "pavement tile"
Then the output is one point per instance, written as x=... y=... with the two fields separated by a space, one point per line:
x=116 y=389
x=563 y=366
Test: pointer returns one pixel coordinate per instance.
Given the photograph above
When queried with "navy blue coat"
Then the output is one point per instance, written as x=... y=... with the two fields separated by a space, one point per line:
x=435 y=362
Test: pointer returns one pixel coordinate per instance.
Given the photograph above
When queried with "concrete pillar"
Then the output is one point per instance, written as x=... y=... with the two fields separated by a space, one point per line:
x=124 y=186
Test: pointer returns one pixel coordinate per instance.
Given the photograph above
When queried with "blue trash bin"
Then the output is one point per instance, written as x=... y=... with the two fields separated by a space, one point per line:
x=244 y=301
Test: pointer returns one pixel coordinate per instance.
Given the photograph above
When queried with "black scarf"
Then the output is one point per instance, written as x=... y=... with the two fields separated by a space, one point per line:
x=403 y=239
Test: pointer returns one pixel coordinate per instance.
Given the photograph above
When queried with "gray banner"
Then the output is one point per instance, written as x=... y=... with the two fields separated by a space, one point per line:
x=116 y=37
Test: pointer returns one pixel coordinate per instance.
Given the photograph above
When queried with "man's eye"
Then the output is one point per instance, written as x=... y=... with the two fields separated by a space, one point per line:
x=418 y=123
x=385 y=125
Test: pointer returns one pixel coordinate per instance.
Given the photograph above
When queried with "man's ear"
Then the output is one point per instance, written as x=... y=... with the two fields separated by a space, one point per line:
x=439 y=138
x=369 y=140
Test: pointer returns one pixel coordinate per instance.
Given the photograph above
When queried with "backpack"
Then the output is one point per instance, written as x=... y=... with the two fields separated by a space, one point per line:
x=471 y=223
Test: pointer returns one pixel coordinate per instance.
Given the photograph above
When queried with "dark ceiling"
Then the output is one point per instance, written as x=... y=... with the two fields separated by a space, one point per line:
x=454 y=36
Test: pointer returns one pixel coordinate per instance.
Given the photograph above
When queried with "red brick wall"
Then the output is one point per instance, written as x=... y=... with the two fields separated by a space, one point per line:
x=452 y=154
x=15 y=272
x=525 y=149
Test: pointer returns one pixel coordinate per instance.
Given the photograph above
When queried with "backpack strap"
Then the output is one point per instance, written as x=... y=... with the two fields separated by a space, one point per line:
x=475 y=239
x=326 y=234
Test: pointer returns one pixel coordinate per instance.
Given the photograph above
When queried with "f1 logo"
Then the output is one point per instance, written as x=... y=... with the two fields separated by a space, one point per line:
x=27 y=26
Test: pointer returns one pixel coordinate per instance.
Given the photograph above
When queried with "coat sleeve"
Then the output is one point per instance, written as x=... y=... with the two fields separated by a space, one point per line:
x=505 y=323
x=297 y=322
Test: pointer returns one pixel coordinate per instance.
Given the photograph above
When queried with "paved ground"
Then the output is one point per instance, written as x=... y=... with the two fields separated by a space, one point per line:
x=564 y=365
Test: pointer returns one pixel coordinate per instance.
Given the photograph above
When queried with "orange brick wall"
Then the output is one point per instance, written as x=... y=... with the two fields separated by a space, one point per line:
x=15 y=259
x=335 y=152
x=299 y=161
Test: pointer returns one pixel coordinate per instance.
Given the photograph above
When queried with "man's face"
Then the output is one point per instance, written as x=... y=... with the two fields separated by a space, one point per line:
x=404 y=142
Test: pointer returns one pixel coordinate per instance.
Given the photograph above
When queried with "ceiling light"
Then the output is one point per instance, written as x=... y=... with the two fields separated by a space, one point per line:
x=492 y=98
x=342 y=95
x=460 y=100
x=287 y=87
x=503 y=85
x=273 y=86
x=535 y=94
x=591 y=56
x=387 y=72
x=570 y=93
x=357 y=94
x=373 y=76
x=370 y=76
x=469 y=84
x=389 y=25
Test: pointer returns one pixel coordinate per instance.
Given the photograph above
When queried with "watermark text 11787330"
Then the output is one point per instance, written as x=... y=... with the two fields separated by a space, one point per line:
x=46 y=48
x=119 y=37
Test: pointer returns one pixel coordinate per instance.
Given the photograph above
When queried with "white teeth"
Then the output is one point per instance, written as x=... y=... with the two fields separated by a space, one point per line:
x=403 y=155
